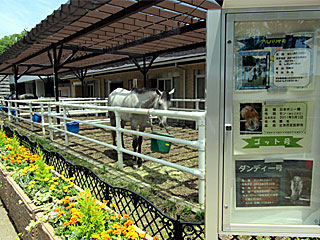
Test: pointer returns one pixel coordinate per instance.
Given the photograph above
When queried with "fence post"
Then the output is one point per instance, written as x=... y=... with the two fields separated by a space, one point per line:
x=178 y=229
x=66 y=137
x=50 y=122
x=42 y=120
x=202 y=159
x=16 y=107
x=31 y=115
x=119 y=140
x=9 y=111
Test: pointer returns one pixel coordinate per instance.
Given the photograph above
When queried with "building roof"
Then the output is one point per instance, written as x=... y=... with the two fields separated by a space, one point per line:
x=91 y=33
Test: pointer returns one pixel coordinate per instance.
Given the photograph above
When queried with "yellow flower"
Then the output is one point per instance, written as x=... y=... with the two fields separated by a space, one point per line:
x=128 y=223
x=57 y=209
x=32 y=182
x=116 y=232
x=31 y=186
x=105 y=236
x=113 y=205
x=115 y=226
x=52 y=187
x=142 y=235
x=61 y=213
x=95 y=236
x=132 y=235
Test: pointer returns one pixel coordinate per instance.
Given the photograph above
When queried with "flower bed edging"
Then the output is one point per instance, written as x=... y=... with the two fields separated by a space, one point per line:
x=21 y=209
x=36 y=177
x=3 y=185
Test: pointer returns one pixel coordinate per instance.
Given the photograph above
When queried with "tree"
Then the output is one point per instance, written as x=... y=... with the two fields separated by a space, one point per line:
x=7 y=41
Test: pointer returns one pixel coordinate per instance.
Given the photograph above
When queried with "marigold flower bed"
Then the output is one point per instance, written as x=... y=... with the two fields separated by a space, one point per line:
x=47 y=205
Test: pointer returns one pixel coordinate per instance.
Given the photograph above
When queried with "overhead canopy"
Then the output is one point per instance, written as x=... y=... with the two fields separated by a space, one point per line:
x=89 y=33
x=229 y=4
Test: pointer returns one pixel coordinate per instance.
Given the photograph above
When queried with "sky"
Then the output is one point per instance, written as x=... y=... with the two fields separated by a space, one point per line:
x=17 y=15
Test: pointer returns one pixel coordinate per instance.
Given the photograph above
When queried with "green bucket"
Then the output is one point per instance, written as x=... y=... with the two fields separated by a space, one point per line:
x=160 y=145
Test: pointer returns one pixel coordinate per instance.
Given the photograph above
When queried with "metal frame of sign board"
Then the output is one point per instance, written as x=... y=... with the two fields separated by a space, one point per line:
x=219 y=126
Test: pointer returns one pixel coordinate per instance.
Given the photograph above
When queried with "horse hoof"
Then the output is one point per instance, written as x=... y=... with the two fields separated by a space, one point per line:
x=135 y=166
x=139 y=162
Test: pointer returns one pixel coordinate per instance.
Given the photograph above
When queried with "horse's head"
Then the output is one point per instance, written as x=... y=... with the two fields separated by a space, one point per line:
x=163 y=103
x=252 y=117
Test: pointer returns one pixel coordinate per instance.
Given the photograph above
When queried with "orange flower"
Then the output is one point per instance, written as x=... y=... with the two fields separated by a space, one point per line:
x=105 y=236
x=113 y=205
x=142 y=235
x=126 y=216
x=128 y=223
x=66 y=223
x=61 y=213
x=116 y=232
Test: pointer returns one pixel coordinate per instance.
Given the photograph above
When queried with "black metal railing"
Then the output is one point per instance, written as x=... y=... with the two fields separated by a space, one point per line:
x=144 y=214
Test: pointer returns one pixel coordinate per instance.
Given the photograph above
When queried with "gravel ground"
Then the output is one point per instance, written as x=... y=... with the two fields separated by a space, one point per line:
x=168 y=180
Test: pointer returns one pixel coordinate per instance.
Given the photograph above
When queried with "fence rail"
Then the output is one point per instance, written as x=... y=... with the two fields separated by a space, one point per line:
x=145 y=215
x=22 y=110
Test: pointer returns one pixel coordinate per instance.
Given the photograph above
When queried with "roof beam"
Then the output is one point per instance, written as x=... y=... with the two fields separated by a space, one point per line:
x=158 y=53
x=115 y=50
x=139 y=6
x=98 y=50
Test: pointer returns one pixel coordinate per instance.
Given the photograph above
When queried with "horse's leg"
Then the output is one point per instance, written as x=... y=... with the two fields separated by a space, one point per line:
x=113 y=124
x=135 y=143
x=123 y=123
x=140 y=139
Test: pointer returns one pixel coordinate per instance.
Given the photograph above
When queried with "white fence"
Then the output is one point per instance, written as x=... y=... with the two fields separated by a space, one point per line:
x=24 y=110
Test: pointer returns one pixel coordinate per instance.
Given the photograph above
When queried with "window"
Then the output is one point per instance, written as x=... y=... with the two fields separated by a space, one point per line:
x=200 y=87
x=90 y=90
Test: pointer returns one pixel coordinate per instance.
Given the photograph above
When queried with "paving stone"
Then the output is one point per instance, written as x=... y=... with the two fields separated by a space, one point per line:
x=7 y=231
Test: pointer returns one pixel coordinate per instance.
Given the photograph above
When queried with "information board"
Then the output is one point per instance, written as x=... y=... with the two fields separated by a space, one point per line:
x=272 y=127
x=266 y=62
x=264 y=184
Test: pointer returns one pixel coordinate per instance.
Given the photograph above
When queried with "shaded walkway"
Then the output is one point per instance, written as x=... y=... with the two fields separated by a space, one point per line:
x=7 y=231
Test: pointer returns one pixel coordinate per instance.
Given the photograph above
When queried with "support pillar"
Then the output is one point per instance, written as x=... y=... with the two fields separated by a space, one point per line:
x=144 y=69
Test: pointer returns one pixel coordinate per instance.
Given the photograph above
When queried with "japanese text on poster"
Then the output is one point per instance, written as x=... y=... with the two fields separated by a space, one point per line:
x=263 y=63
x=262 y=184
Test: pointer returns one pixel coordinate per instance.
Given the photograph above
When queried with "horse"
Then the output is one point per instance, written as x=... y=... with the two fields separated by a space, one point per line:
x=138 y=98
x=24 y=96
x=296 y=185
x=21 y=97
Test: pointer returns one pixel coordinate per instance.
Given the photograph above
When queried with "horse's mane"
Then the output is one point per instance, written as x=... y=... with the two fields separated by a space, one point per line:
x=142 y=90
x=165 y=96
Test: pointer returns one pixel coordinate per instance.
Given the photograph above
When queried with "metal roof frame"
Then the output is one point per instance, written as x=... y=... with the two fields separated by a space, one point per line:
x=93 y=33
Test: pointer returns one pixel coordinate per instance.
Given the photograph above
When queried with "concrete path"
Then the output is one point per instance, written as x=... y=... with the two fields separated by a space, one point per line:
x=7 y=231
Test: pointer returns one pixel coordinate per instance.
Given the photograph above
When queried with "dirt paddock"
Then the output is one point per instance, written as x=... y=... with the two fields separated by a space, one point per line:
x=165 y=179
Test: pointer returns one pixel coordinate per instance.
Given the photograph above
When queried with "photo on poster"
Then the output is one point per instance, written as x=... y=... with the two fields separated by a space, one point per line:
x=298 y=187
x=267 y=62
x=269 y=184
x=253 y=70
x=250 y=118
